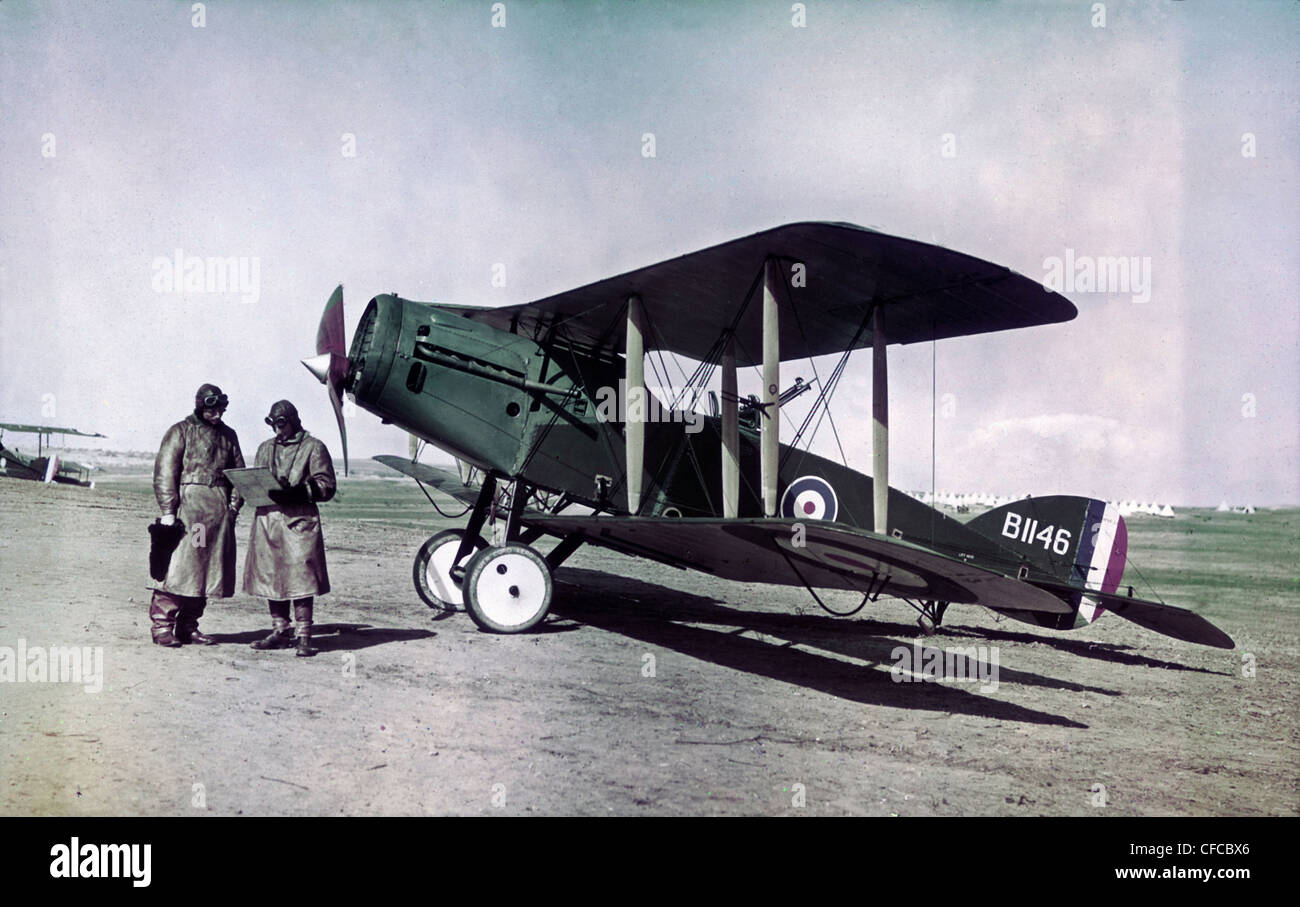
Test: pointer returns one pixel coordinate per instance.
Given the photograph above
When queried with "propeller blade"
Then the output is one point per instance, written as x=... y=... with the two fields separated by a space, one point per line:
x=338 y=417
x=330 y=365
x=331 y=336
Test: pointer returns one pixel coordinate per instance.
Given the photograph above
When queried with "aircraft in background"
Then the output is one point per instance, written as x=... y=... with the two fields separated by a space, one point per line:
x=523 y=394
x=40 y=468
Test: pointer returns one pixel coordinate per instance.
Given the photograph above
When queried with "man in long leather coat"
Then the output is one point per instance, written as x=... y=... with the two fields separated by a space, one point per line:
x=286 y=550
x=189 y=484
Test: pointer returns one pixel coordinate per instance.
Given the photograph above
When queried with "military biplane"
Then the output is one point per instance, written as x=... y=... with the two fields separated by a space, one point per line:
x=517 y=392
x=41 y=468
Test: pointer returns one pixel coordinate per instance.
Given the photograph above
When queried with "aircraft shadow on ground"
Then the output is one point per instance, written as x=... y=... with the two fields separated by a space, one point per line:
x=337 y=637
x=660 y=617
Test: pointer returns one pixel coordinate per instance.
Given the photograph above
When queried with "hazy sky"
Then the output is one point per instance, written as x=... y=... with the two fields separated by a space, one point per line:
x=1012 y=131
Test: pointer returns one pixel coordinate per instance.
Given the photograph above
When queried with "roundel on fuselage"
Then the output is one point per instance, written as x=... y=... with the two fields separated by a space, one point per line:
x=810 y=498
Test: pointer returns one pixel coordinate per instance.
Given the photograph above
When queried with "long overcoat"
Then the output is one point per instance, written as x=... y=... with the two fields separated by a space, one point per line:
x=188 y=481
x=286 y=549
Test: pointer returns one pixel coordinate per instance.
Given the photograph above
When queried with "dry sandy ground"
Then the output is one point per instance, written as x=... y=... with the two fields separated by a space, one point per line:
x=699 y=697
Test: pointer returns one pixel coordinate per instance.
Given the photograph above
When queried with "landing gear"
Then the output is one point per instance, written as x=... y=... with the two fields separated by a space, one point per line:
x=507 y=589
x=435 y=580
x=439 y=567
x=931 y=614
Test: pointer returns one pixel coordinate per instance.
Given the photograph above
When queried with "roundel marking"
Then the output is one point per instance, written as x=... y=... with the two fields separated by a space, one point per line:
x=810 y=498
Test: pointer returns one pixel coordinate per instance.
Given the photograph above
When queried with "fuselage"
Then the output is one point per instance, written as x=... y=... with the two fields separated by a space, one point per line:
x=553 y=415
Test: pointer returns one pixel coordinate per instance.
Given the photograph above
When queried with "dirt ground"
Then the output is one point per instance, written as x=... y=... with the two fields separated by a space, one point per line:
x=648 y=691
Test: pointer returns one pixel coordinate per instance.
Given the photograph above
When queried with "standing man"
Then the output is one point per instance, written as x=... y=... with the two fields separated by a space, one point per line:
x=189 y=484
x=286 y=550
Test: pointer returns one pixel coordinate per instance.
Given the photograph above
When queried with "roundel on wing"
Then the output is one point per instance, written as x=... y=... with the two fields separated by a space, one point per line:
x=809 y=498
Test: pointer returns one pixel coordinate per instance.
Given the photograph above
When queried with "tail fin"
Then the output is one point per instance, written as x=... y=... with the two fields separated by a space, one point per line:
x=1076 y=541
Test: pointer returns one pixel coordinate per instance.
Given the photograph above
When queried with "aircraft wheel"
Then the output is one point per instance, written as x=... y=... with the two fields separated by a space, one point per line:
x=432 y=570
x=507 y=589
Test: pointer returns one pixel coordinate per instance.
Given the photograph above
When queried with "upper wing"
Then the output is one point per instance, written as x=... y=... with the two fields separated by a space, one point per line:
x=47 y=430
x=830 y=557
x=929 y=293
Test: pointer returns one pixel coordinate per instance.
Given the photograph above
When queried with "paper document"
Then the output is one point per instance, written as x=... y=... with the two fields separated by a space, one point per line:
x=253 y=483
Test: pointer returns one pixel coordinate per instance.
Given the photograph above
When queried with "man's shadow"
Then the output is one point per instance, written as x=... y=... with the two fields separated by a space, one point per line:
x=337 y=637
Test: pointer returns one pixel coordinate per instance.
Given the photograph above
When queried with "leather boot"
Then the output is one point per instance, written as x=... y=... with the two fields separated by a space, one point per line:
x=187 y=631
x=280 y=637
x=163 y=609
x=302 y=615
x=166 y=638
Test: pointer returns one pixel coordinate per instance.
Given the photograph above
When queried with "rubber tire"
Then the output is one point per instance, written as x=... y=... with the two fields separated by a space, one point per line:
x=480 y=578
x=419 y=568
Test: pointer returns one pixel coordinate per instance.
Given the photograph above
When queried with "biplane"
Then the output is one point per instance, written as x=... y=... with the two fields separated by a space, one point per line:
x=517 y=393
x=42 y=468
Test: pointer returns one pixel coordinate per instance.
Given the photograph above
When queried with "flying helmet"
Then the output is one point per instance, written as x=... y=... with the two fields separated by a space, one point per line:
x=209 y=396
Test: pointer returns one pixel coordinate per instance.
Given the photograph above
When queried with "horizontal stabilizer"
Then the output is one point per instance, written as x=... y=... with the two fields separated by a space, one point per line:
x=1168 y=620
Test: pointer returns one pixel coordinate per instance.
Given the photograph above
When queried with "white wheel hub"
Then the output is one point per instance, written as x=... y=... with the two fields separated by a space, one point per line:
x=508 y=588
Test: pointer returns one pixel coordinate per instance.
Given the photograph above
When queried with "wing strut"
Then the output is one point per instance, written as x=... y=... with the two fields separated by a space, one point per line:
x=634 y=390
x=879 y=421
x=771 y=437
x=730 y=433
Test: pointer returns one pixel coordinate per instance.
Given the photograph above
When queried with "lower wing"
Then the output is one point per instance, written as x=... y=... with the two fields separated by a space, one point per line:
x=445 y=480
x=792 y=552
